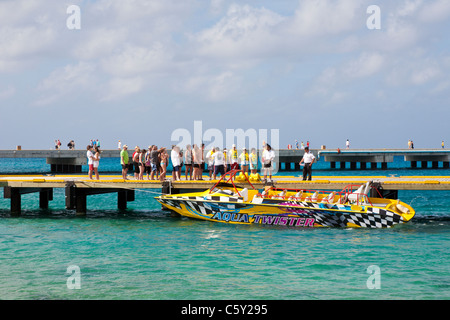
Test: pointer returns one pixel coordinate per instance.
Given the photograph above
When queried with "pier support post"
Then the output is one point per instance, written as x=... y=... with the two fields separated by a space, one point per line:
x=353 y=165
x=384 y=166
x=363 y=165
x=70 y=195
x=342 y=165
x=45 y=195
x=81 y=203
x=446 y=165
x=16 y=202
x=15 y=194
x=123 y=196
x=122 y=200
x=435 y=164
x=424 y=164
x=333 y=165
x=373 y=166
x=414 y=164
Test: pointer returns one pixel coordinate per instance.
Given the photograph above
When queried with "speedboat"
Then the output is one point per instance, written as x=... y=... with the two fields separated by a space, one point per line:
x=231 y=201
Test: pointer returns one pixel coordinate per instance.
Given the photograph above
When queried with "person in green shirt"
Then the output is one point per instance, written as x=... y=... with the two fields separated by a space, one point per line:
x=124 y=161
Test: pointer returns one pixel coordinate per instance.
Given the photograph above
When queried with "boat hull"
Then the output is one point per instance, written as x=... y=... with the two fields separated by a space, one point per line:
x=282 y=212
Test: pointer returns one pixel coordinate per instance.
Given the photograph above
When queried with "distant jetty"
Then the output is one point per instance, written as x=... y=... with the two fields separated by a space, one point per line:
x=71 y=161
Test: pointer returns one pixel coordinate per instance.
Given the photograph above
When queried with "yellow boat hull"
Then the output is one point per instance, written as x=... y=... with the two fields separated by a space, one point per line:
x=284 y=212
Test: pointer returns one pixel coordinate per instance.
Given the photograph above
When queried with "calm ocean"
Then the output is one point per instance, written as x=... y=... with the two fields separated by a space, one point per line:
x=146 y=253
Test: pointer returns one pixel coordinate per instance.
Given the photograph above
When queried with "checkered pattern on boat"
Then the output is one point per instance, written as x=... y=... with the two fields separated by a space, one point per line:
x=373 y=218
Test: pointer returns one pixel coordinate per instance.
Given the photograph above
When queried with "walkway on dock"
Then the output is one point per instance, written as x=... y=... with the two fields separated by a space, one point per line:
x=78 y=187
x=318 y=182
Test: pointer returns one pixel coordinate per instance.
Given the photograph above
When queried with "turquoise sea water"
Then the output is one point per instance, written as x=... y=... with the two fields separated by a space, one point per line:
x=146 y=253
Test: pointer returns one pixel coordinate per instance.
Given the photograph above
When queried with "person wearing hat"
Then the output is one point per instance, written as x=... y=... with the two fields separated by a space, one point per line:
x=268 y=156
x=234 y=158
x=244 y=160
x=124 y=161
x=308 y=160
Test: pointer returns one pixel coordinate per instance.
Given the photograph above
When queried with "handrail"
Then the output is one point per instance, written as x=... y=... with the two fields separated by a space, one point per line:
x=343 y=195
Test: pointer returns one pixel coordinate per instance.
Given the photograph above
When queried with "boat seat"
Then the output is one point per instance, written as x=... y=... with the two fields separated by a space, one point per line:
x=257 y=200
x=330 y=198
x=297 y=196
x=244 y=194
x=357 y=195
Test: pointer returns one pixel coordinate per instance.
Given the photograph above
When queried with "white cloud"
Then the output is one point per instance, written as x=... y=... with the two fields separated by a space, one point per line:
x=135 y=60
x=8 y=92
x=323 y=17
x=366 y=65
x=212 y=87
x=63 y=81
x=424 y=75
x=244 y=32
x=118 y=88
x=100 y=42
x=436 y=11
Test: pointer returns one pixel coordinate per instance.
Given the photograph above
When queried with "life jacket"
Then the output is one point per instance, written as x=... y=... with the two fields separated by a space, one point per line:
x=234 y=154
x=244 y=155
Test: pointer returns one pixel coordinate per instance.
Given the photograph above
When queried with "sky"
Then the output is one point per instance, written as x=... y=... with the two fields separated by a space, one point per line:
x=141 y=70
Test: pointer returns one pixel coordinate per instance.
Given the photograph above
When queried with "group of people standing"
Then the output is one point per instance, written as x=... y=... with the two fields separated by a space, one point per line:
x=154 y=162
x=70 y=145
x=93 y=155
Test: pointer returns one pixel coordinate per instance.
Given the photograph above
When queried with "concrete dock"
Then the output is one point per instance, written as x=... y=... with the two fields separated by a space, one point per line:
x=71 y=161
x=78 y=187
x=375 y=157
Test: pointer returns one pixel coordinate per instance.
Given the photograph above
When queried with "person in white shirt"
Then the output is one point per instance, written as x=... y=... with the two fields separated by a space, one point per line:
x=308 y=159
x=90 y=156
x=267 y=157
x=219 y=163
x=175 y=157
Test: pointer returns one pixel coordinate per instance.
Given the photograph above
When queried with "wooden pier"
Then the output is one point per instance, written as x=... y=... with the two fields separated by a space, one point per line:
x=78 y=187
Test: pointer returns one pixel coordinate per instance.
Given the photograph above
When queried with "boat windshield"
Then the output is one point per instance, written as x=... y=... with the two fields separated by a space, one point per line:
x=228 y=180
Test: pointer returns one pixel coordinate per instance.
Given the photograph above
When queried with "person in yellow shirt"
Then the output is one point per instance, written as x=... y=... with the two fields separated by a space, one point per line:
x=253 y=160
x=234 y=158
x=244 y=160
